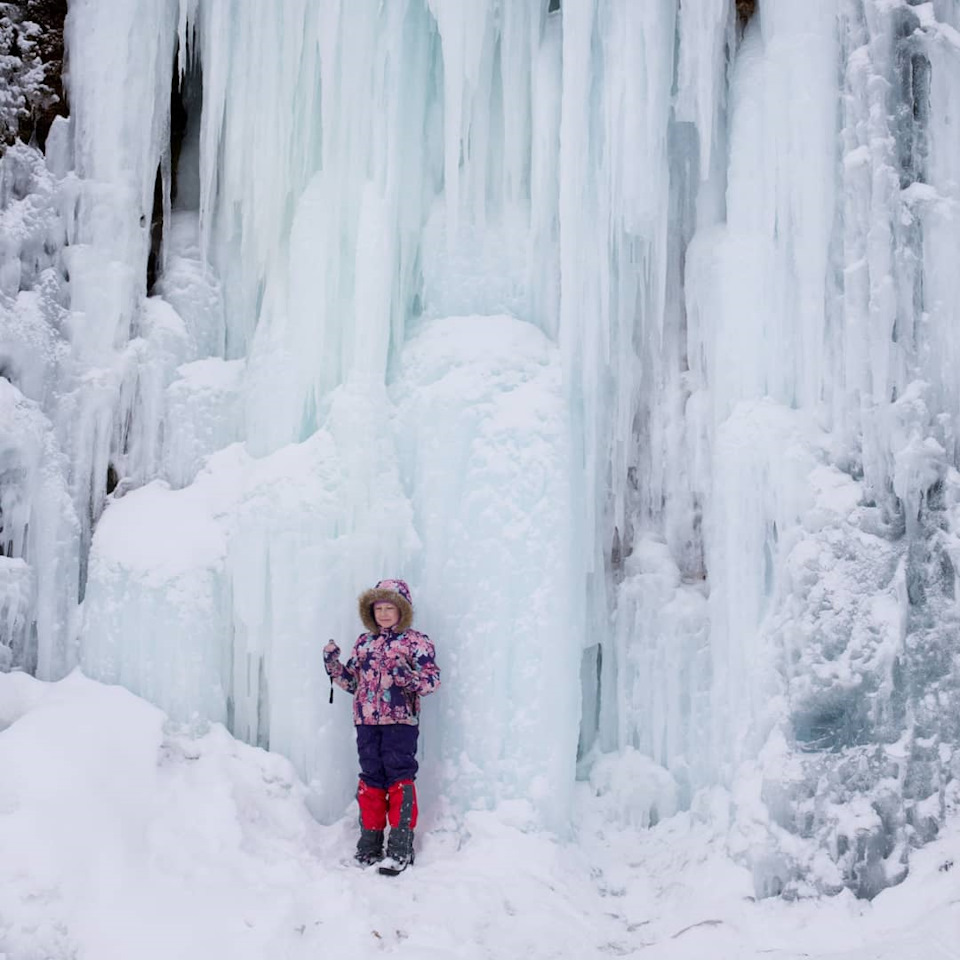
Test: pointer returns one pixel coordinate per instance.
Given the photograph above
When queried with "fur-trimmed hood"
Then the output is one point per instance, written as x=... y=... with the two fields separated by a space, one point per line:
x=387 y=591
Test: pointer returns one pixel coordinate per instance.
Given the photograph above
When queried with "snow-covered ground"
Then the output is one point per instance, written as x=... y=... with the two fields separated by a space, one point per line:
x=124 y=836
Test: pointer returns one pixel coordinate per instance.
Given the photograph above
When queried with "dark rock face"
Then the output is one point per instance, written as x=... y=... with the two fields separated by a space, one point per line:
x=745 y=10
x=31 y=37
x=49 y=16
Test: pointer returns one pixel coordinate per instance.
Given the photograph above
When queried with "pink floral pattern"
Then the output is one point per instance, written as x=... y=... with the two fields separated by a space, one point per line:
x=387 y=673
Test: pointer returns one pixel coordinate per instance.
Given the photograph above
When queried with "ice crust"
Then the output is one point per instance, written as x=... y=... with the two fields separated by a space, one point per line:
x=628 y=335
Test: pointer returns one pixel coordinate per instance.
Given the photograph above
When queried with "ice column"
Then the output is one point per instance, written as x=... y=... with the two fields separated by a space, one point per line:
x=485 y=450
x=755 y=296
x=311 y=210
x=704 y=33
x=121 y=60
x=934 y=204
x=612 y=218
x=39 y=555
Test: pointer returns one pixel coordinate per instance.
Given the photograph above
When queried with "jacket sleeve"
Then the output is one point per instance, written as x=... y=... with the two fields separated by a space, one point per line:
x=343 y=675
x=425 y=666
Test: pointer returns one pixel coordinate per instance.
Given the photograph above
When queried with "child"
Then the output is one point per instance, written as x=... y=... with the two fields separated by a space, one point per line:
x=390 y=668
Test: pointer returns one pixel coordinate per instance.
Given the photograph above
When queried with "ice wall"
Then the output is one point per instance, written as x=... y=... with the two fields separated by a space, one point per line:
x=830 y=604
x=624 y=332
x=331 y=233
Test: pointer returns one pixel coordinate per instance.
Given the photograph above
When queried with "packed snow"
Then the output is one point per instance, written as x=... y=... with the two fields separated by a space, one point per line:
x=126 y=834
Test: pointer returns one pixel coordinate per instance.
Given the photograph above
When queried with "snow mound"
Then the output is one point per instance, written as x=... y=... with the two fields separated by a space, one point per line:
x=124 y=834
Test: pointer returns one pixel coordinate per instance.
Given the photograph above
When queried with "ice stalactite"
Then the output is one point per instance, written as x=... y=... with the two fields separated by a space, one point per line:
x=705 y=36
x=39 y=553
x=119 y=132
x=656 y=673
x=762 y=314
x=311 y=211
x=39 y=544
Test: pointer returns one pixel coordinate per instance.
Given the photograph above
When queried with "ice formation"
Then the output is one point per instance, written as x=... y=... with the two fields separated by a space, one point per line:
x=625 y=331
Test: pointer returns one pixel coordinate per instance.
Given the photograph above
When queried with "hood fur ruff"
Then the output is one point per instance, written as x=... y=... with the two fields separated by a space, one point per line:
x=386 y=592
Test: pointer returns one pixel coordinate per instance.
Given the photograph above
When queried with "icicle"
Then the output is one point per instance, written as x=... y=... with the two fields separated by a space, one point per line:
x=705 y=31
x=467 y=50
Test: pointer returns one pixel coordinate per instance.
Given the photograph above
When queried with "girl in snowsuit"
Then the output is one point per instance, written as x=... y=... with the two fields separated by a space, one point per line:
x=391 y=667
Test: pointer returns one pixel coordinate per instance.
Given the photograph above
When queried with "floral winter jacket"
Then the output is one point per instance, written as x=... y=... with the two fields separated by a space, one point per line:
x=387 y=673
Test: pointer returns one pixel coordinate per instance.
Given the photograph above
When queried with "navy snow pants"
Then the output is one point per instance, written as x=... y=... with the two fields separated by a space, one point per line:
x=387 y=753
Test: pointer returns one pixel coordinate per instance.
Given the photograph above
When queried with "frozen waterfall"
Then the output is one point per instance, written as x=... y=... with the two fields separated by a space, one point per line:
x=626 y=332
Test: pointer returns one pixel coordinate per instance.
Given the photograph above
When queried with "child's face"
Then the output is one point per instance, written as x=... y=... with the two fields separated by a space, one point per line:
x=386 y=614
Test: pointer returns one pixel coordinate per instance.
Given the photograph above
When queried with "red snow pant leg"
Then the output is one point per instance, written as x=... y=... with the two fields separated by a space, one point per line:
x=402 y=803
x=373 y=807
x=388 y=764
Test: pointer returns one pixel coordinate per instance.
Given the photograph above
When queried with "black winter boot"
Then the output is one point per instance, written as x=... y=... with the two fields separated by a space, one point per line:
x=399 y=851
x=369 y=847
